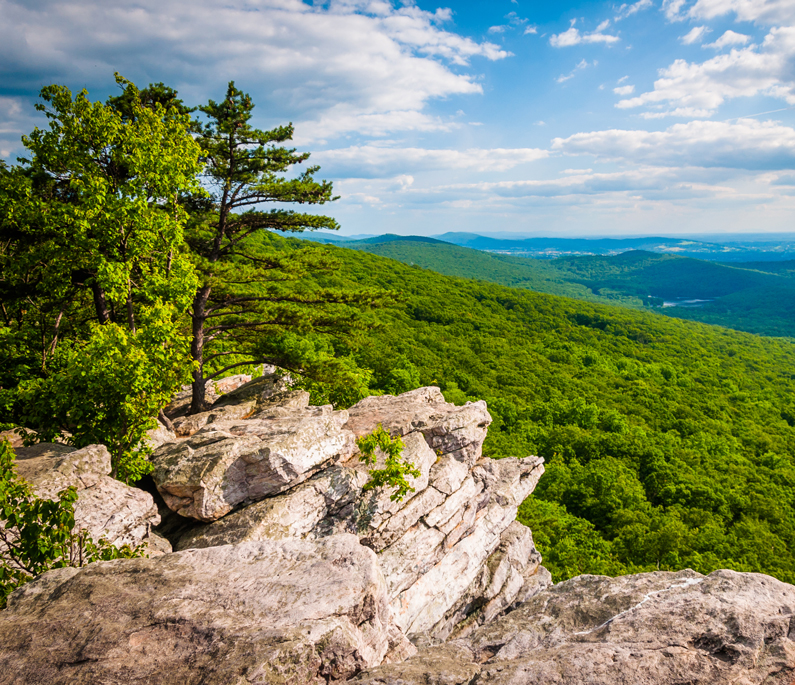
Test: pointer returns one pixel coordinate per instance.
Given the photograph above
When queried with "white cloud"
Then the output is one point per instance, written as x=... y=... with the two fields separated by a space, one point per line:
x=346 y=65
x=574 y=37
x=369 y=161
x=746 y=144
x=628 y=10
x=695 y=34
x=624 y=90
x=531 y=29
x=582 y=64
x=672 y=8
x=622 y=79
x=755 y=70
x=772 y=12
x=728 y=38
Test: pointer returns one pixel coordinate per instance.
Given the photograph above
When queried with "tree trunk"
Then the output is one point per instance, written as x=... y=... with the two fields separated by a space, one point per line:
x=197 y=403
x=101 y=306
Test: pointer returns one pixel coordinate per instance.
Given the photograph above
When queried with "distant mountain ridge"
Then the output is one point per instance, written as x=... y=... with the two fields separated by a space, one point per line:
x=551 y=247
x=757 y=297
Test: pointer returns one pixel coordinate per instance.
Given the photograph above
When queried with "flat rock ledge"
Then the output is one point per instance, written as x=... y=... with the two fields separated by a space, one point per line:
x=291 y=612
x=648 y=629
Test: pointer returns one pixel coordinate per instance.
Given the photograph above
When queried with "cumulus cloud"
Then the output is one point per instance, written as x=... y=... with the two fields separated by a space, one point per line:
x=730 y=38
x=695 y=34
x=624 y=90
x=574 y=37
x=369 y=161
x=771 y=12
x=345 y=65
x=755 y=70
x=745 y=144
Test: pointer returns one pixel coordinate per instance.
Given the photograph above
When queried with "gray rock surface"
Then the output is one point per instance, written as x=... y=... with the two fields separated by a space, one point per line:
x=289 y=611
x=433 y=545
x=651 y=629
x=448 y=429
x=214 y=390
x=228 y=462
x=105 y=507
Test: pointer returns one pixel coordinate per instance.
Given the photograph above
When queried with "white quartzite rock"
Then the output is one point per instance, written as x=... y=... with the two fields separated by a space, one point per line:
x=105 y=507
x=659 y=628
x=227 y=463
x=457 y=431
x=289 y=611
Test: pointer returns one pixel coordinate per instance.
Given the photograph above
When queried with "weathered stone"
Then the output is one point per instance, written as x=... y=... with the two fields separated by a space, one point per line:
x=495 y=588
x=52 y=467
x=451 y=664
x=324 y=505
x=188 y=425
x=158 y=436
x=231 y=462
x=289 y=611
x=447 y=474
x=457 y=431
x=424 y=604
x=656 y=628
x=105 y=507
x=259 y=389
x=214 y=390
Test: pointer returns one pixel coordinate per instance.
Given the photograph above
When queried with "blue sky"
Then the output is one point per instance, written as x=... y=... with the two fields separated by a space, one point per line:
x=594 y=118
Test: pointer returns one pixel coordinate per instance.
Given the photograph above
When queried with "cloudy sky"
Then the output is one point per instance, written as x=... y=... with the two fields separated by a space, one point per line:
x=573 y=118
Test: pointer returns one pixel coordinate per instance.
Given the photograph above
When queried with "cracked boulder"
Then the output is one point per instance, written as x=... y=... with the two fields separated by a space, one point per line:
x=105 y=507
x=290 y=611
x=228 y=463
x=657 y=628
x=448 y=429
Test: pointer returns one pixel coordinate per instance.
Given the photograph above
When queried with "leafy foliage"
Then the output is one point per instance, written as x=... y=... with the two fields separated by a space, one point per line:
x=37 y=534
x=755 y=297
x=668 y=443
x=253 y=297
x=395 y=470
x=109 y=388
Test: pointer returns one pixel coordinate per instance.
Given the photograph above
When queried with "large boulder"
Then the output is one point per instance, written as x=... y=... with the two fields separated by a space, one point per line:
x=654 y=628
x=227 y=463
x=448 y=429
x=105 y=507
x=289 y=611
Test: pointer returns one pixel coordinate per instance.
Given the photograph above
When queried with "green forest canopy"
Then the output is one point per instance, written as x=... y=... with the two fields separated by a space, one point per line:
x=669 y=444
x=754 y=297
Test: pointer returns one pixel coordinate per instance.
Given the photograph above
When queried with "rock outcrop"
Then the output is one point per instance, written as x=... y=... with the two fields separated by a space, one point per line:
x=105 y=507
x=288 y=611
x=433 y=547
x=288 y=571
x=656 y=628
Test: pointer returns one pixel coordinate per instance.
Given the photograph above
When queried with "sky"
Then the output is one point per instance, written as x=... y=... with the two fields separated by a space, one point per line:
x=664 y=117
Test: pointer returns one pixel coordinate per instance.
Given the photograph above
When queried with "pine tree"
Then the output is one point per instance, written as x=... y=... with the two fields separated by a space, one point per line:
x=255 y=293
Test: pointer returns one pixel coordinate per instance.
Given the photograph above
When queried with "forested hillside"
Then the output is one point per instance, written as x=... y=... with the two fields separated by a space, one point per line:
x=757 y=297
x=669 y=444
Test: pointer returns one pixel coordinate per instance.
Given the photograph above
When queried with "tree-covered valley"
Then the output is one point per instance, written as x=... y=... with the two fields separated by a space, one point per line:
x=757 y=297
x=140 y=258
x=669 y=444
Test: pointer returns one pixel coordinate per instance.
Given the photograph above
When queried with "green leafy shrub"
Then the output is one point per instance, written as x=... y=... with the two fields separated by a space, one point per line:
x=37 y=535
x=108 y=389
x=395 y=470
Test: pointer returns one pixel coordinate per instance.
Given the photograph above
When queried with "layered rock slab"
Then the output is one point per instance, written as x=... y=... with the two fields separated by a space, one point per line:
x=105 y=507
x=448 y=429
x=655 y=628
x=288 y=611
x=227 y=463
